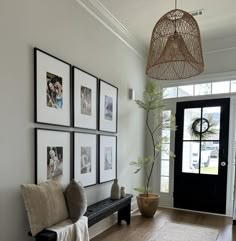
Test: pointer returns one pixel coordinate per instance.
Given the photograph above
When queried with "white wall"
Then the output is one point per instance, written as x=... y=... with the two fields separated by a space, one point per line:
x=64 y=29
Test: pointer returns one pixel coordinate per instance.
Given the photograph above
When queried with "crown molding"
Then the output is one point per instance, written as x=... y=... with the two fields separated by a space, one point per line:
x=105 y=17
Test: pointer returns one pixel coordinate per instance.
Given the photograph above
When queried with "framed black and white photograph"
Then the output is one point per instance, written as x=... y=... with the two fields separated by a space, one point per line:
x=85 y=99
x=108 y=107
x=85 y=158
x=107 y=158
x=52 y=89
x=53 y=156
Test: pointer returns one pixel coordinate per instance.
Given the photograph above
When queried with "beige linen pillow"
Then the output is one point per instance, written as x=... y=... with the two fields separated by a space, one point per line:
x=45 y=205
x=76 y=200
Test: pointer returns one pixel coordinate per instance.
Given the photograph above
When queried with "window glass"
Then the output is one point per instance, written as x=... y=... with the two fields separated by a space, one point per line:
x=220 y=87
x=212 y=117
x=165 y=152
x=185 y=90
x=170 y=92
x=209 y=157
x=165 y=184
x=190 y=115
x=202 y=89
x=165 y=168
x=166 y=115
x=166 y=136
x=190 y=156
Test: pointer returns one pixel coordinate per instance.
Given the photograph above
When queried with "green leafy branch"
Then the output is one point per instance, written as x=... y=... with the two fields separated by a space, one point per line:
x=153 y=104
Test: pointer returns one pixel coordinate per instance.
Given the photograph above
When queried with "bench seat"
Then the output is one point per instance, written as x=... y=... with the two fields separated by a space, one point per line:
x=95 y=213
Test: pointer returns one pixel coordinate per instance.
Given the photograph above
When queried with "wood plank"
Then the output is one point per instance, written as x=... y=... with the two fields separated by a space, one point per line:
x=141 y=229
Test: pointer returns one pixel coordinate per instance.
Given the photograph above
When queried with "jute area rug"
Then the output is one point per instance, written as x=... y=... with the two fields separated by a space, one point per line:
x=182 y=232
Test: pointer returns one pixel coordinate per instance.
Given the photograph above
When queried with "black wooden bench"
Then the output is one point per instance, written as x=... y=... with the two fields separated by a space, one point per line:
x=96 y=212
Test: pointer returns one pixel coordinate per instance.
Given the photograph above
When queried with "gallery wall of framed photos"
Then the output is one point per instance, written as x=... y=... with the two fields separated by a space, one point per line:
x=87 y=109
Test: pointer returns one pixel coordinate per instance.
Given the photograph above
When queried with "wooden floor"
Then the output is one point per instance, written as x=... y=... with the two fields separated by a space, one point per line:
x=142 y=229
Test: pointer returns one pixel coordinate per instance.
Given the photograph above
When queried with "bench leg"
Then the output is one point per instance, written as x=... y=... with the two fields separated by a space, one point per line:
x=124 y=214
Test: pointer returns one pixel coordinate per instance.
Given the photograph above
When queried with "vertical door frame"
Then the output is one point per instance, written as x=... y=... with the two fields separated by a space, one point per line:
x=231 y=155
x=166 y=199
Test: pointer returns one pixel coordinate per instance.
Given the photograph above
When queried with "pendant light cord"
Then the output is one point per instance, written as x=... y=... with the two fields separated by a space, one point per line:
x=175 y=18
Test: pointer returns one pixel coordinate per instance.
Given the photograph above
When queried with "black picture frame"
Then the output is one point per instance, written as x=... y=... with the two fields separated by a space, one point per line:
x=85 y=158
x=107 y=158
x=53 y=100
x=85 y=99
x=108 y=107
x=53 y=150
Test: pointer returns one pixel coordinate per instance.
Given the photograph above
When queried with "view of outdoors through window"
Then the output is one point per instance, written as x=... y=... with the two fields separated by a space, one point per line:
x=211 y=88
x=165 y=156
x=201 y=140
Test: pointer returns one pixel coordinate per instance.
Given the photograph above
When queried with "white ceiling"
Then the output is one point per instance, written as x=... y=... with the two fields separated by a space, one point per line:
x=138 y=17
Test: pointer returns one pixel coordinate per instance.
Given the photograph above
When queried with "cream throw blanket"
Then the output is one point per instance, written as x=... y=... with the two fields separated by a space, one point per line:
x=67 y=231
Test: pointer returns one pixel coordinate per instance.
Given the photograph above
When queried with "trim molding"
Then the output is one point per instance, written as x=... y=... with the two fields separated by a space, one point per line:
x=105 y=17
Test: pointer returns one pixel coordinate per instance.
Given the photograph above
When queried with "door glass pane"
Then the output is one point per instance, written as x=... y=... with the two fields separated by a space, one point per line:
x=185 y=90
x=190 y=157
x=203 y=89
x=209 y=157
x=165 y=184
x=165 y=152
x=189 y=116
x=220 y=87
x=211 y=116
x=164 y=168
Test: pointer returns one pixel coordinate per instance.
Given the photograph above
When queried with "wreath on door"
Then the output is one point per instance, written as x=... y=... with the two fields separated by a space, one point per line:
x=203 y=127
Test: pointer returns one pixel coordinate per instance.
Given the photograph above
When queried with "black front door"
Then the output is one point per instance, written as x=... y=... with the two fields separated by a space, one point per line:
x=201 y=149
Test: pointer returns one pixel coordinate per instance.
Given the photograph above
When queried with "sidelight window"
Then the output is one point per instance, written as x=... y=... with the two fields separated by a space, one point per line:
x=165 y=156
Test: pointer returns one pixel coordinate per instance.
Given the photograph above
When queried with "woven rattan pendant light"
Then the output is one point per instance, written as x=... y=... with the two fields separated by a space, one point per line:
x=175 y=49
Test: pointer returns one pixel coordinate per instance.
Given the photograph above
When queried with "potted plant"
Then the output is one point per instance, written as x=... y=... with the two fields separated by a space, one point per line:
x=153 y=105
